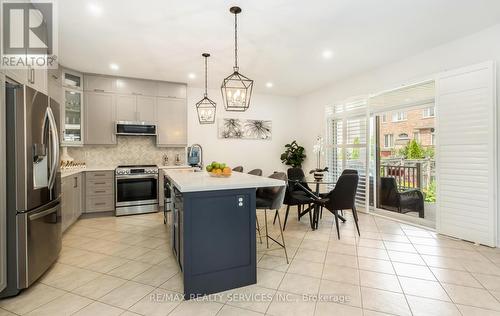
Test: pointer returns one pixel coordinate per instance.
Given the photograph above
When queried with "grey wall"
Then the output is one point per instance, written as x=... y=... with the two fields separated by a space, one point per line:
x=3 y=206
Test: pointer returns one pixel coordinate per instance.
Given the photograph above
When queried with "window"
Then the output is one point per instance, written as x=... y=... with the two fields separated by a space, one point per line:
x=399 y=116
x=433 y=139
x=383 y=118
x=388 y=140
x=428 y=112
x=416 y=136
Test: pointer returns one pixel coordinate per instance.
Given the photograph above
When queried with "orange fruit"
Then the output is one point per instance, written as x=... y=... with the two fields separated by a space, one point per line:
x=218 y=171
x=226 y=170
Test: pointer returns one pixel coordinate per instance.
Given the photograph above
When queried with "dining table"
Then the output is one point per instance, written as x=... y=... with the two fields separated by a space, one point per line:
x=315 y=195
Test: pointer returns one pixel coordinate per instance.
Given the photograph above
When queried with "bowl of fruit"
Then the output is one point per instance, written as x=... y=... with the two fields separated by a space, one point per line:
x=219 y=170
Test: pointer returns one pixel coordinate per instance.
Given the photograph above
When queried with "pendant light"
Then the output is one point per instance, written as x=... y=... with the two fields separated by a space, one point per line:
x=236 y=89
x=206 y=108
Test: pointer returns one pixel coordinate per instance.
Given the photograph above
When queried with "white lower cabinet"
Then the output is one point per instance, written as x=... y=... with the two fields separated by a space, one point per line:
x=71 y=200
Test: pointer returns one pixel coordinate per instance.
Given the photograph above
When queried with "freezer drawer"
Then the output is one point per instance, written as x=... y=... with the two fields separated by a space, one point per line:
x=39 y=241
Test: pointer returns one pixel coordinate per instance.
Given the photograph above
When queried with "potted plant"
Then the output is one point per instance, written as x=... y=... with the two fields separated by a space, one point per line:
x=294 y=155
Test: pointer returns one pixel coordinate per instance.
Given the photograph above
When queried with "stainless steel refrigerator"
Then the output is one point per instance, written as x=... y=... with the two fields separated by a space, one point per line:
x=33 y=185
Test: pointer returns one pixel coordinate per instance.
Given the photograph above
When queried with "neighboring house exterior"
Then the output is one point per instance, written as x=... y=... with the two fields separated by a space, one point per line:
x=397 y=128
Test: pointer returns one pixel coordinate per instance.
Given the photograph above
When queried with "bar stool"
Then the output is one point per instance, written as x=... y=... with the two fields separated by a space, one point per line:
x=272 y=199
x=238 y=169
x=255 y=172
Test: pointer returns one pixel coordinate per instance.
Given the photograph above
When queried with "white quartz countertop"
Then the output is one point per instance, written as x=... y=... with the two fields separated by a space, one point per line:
x=70 y=172
x=175 y=167
x=201 y=181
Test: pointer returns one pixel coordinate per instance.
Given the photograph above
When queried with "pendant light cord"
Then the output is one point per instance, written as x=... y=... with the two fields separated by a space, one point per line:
x=206 y=67
x=236 y=41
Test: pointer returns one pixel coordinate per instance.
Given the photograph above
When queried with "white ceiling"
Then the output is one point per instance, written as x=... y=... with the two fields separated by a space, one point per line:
x=281 y=41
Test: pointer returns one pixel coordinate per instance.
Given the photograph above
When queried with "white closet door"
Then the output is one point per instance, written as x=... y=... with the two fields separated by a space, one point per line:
x=466 y=153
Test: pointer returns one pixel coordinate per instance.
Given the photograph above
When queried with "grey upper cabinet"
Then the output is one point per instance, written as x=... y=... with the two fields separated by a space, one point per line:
x=35 y=78
x=98 y=83
x=54 y=85
x=126 y=108
x=135 y=86
x=146 y=109
x=100 y=118
x=172 y=122
x=172 y=90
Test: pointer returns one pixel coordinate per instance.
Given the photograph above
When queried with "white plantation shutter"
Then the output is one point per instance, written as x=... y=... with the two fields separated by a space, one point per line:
x=417 y=94
x=466 y=153
x=347 y=143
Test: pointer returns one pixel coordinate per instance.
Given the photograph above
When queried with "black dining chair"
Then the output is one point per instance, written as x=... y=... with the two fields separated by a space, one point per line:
x=272 y=199
x=345 y=171
x=342 y=197
x=256 y=172
x=238 y=169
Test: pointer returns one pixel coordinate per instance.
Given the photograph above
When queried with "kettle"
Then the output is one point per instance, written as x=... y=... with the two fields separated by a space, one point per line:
x=195 y=156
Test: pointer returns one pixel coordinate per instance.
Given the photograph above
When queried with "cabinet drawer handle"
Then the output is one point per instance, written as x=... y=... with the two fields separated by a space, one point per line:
x=100 y=191
x=100 y=203
x=100 y=183
x=99 y=90
x=99 y=174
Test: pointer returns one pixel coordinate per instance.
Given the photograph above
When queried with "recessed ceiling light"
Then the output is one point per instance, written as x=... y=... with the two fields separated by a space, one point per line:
x=192 y=76
x=269 y=84
x=114 y=66
x=95 y=9
x=327 y=54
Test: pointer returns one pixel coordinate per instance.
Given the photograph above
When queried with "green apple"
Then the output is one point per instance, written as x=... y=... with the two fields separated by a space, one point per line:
x=209 y=168
x=222 y=165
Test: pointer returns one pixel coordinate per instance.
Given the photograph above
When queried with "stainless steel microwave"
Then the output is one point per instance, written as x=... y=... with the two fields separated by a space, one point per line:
x=135 y=128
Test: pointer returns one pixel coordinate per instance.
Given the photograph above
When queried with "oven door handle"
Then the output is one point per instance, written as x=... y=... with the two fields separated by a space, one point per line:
x=137 y=177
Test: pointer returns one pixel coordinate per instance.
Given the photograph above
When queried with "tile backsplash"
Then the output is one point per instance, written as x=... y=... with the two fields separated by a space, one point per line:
x=129 y=150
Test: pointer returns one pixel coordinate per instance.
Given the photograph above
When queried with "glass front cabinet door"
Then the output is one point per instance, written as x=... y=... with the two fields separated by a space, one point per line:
x=72 y=124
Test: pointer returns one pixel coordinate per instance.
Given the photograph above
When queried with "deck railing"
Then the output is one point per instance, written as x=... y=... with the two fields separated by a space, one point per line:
x=407 y=177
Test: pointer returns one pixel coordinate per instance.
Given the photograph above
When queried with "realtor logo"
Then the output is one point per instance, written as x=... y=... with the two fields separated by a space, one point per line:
x=28 y=34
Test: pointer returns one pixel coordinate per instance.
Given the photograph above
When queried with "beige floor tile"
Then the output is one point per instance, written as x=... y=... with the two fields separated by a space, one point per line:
x=367 y=312
x=99 y=287
x=57 y=271
x=472 y=296
x=475 y=311
x=311 y=255
x=299 y=284
x=273 y=263
x=285 y=304
x=384 y=301
x=154 y=256
x=3 y=312
x=341 y=260
x=304 y=267
x=382 y=281
x=371 y=243
x=269 y=278
x=455 y=277
x=132 y=252
x=346 y=293
x=443 y=262
x=485 y=267
x=130 y=270
x=496 y=294
x=126 y=295
x=399 y=246
x=65 y=305
x=405 y=257
x=229 y=310
x=377 y=265
x=75 y=279
x=106 y=264
x=157 y=303
x=157 y=275
x=429 y=307
x=374 y=253
x=413 y=271
x=423 y=288
x=341 y=274
x=330 y=308
x=30 y=299
x=175 y=284
x=490 y=282
x=314 y=245
x=99 y=309
x=344 y=249
x=198 y=308
x=252 y=297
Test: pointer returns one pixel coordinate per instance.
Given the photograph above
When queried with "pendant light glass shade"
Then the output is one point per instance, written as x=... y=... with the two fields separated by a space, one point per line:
x=236 y=88
x=206 y=108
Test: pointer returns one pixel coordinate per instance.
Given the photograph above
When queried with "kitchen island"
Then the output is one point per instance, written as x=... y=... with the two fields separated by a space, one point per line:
x=213 y=229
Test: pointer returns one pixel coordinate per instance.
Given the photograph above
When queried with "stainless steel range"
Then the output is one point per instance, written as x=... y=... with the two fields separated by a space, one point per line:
x=136 y=189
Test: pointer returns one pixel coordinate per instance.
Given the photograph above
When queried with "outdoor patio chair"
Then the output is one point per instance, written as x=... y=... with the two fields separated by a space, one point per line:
x=392 y=199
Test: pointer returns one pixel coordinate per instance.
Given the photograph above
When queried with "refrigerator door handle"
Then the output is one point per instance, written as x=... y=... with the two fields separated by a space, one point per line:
x=55 y=148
